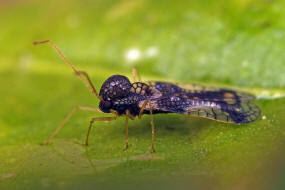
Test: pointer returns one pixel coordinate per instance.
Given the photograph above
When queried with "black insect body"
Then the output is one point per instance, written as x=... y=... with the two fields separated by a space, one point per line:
x=219 y=104
x=120 y=97
x=119 y=94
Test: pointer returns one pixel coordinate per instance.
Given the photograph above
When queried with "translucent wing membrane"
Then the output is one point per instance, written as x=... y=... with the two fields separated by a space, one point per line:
x=245 y=112
x=208 y=92
x=223 y=105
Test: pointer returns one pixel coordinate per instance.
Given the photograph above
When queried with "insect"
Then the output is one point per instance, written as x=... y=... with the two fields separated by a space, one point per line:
x=119 y=97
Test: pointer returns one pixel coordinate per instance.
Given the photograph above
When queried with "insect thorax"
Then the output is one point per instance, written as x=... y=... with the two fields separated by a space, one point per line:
x=120 y=95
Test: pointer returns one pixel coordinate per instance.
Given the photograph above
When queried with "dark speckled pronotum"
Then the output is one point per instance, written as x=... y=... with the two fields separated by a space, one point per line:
x=119 y=97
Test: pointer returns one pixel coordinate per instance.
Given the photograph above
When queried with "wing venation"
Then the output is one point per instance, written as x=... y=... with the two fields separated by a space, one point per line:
x=219 y=104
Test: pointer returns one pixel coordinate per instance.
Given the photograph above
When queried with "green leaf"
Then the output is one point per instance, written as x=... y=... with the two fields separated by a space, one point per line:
x=238 y=44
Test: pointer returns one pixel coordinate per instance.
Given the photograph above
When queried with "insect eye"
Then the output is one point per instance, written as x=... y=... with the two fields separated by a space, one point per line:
x=105 y=106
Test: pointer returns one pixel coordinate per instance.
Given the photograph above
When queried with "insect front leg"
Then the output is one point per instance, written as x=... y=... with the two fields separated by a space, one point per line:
x=97 y=119
x=128 y=115
x=68 y=117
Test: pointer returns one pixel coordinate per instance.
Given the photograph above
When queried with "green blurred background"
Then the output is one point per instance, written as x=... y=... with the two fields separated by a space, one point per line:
x=238 y=44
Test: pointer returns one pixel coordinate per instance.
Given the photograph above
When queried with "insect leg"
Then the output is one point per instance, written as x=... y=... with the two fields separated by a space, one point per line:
x=78 y=73
x=136 y=74
x=97 y=119
x=127 y=129
x=148 y=102
x=143 y=108
x=152 y=127
x=127 y=134
x=68 y=117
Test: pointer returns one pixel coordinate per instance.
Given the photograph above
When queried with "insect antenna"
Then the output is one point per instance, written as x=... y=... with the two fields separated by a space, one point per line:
x=79 y=74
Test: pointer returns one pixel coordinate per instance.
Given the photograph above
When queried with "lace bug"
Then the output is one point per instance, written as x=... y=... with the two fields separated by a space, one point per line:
x=119 y=97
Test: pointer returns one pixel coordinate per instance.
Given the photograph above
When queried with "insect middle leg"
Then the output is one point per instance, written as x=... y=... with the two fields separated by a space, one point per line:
x=67 y=118
x=148 y=102
x=152 y=127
